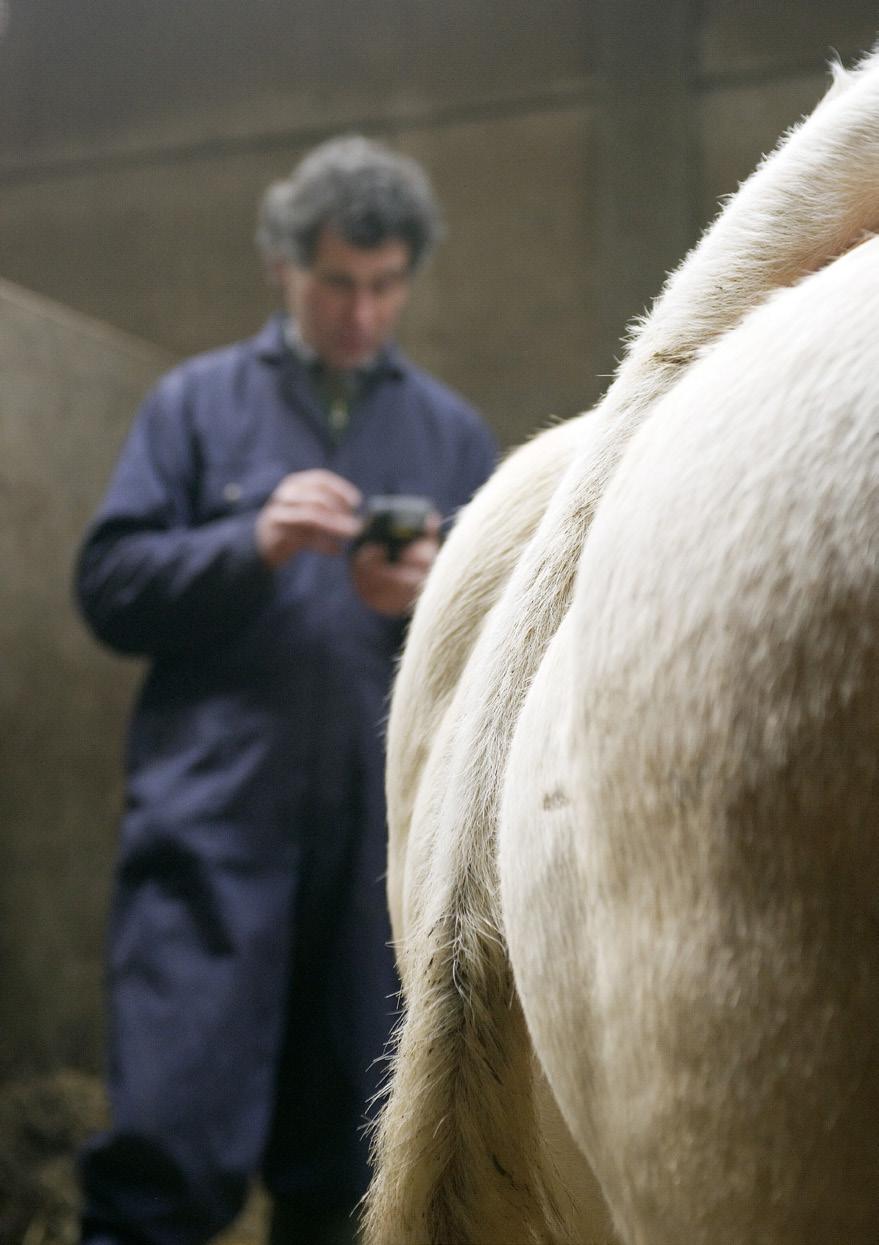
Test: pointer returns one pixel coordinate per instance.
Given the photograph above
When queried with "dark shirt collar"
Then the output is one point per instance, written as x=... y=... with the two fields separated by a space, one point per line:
x=271 y=345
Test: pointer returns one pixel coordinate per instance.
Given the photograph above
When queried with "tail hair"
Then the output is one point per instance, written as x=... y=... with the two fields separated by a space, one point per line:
x=457 y=1147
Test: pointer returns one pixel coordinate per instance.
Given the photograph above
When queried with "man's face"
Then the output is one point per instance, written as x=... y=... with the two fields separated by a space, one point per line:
x=348 y=302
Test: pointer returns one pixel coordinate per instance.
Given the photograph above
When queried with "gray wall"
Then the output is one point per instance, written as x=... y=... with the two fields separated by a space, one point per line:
x=579 y=148
x=65 y=387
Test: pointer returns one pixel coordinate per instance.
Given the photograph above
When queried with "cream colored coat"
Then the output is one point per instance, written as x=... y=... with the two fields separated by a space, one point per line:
x=634 y=772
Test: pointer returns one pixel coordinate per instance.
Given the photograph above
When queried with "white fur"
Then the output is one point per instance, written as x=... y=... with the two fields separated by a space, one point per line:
x=663 y=970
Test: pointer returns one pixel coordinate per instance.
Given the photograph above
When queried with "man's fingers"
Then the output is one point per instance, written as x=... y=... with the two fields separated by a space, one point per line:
x=313 y=518
x=372 y=563
x=319 y=485
x=318 y=543
x=308 y=510
x=371 y=556
x=420 y=553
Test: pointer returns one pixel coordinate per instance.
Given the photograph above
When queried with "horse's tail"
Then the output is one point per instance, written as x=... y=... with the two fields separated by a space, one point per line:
x=458 y=1150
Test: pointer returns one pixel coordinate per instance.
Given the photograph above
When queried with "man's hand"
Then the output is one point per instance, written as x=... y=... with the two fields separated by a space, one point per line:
x=308 y=510
x=392 y=588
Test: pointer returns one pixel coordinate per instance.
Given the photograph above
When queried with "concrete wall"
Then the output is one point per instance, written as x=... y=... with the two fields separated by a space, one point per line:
x=578 y=147
x=66 y=387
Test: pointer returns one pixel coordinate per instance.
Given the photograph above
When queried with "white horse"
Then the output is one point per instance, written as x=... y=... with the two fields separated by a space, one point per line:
x=633 y=774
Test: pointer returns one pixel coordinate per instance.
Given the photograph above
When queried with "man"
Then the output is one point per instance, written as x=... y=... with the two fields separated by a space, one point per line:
x=250 y=980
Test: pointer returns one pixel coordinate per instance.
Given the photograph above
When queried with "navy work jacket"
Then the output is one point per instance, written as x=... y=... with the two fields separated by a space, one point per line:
x=256 y=742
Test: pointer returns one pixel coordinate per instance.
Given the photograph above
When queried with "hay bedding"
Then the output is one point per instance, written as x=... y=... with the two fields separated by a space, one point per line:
x=43 y=1121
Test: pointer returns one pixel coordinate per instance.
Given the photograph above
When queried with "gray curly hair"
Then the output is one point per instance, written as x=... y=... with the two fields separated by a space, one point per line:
x=366 y=192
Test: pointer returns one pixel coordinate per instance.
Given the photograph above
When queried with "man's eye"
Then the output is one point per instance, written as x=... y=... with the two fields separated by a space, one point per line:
x=378 y=288
x=386 y=284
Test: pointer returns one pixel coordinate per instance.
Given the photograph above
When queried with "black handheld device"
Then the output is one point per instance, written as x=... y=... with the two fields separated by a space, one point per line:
x=393 y=520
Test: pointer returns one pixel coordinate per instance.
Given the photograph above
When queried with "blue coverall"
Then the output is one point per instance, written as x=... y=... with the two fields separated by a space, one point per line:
x=250 y=982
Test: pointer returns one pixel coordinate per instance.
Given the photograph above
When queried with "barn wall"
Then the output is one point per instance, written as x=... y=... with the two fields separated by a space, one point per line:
x=578 y=147
x=66 y=385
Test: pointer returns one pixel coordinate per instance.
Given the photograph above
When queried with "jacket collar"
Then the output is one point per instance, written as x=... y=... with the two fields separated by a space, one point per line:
x=270 y=345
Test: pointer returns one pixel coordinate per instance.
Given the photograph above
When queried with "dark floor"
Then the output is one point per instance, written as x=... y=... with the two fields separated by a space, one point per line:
x=43 y=1120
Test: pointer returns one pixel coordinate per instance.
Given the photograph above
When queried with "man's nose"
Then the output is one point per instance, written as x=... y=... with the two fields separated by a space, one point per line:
x=363 y=307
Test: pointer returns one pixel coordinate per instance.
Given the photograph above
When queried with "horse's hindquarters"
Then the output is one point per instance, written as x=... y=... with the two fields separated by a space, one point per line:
x=549 y=952
x=692 y=914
